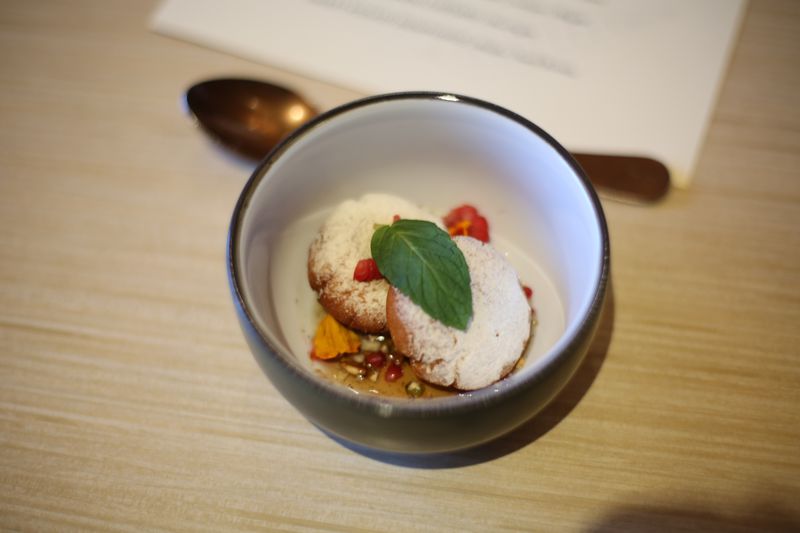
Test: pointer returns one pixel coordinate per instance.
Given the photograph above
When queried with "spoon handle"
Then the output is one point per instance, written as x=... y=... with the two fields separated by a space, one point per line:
x=639 y=179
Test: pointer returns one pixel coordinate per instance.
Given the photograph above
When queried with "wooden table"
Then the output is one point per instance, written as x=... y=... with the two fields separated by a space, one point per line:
x=129 y=401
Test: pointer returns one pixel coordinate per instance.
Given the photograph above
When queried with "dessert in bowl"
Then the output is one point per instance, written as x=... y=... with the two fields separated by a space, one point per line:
x=434 y=151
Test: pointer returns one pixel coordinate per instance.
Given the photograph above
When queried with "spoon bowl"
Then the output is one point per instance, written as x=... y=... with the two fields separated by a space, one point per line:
x=250 y=117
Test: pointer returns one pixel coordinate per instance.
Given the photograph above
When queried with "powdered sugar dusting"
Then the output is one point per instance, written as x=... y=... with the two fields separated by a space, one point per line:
x=496 y=336
x=343 y=240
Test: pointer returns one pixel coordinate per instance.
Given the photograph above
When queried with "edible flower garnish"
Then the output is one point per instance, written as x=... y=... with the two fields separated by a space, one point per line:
x=466 y=220
x=333 y=339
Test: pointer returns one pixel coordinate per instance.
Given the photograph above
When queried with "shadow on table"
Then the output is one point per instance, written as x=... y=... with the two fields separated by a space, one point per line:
x=529 y=431
x=762 y=517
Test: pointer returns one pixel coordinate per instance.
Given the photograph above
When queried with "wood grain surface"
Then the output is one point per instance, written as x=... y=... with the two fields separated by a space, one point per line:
x=129 y=400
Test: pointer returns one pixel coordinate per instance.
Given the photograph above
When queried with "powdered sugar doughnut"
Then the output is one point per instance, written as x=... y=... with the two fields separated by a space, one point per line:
x=496 y=335
x=341 y=243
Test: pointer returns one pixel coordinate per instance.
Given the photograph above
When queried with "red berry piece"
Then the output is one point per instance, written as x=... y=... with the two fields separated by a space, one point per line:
x=528 y=292
x=367 y=270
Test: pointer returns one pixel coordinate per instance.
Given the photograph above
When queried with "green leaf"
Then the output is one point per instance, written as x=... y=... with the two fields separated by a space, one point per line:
x=424 y=263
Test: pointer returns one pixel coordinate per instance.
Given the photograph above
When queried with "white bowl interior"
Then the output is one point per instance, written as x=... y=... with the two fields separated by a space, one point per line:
x=439 y=153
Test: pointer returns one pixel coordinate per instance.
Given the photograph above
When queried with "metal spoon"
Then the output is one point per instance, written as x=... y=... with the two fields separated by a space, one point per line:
x=250 y=117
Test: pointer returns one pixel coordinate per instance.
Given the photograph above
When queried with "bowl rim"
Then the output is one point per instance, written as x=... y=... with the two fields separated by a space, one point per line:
x=402 y=407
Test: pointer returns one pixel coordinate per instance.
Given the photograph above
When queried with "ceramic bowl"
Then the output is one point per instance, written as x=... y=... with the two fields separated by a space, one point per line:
x=438 y=151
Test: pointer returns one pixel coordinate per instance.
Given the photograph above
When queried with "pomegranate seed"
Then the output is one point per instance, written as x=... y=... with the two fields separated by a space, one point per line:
x=376 y=359
x=393 y=372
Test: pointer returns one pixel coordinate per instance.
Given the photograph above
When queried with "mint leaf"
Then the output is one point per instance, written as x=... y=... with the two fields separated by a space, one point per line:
x=424 y=263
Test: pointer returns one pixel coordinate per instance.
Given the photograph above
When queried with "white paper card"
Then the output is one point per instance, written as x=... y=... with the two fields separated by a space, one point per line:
x=607 y=76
